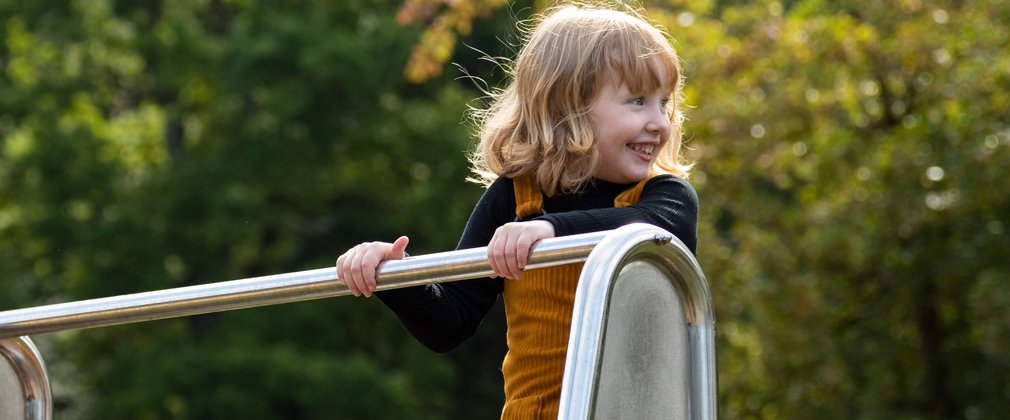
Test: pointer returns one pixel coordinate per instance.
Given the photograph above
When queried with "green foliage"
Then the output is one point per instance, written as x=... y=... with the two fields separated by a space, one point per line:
x=853 y=230
x=148 y=146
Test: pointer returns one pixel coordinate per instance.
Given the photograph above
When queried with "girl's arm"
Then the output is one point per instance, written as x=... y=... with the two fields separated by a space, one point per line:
x=666 y=201
x=442 y=316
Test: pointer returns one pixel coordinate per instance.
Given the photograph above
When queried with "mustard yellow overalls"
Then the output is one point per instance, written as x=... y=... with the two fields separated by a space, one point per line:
x=538 y=312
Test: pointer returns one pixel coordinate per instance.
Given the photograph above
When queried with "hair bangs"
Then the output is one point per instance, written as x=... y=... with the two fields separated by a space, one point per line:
x=643 y=59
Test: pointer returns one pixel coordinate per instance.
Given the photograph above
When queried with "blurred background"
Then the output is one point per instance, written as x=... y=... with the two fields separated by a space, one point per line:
x=852 y=159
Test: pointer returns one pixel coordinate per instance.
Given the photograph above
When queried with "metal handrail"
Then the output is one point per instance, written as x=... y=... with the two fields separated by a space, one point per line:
x=276 y=289
x=582 y=394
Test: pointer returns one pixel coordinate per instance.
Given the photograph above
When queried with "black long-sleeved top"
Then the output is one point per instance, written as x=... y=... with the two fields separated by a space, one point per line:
x=441 y=316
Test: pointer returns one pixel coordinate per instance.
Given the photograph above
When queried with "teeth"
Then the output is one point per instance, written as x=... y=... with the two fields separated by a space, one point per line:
x=642 y=148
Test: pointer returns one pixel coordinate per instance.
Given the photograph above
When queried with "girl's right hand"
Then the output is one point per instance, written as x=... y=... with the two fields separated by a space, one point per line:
x=358 y=266
x=509 y=249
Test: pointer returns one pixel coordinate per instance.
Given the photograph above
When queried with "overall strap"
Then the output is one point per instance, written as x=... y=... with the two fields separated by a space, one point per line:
x=631 y=195
x=529 y=201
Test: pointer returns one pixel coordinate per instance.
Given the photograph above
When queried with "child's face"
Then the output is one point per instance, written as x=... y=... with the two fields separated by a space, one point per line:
x=631 y=128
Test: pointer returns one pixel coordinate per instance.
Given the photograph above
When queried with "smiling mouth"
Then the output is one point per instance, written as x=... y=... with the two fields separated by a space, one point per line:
x=645 y=149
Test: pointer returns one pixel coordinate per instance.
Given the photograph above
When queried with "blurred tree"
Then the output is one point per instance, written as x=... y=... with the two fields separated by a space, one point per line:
x=445 y=21
x=854 y=231
x=148 y=146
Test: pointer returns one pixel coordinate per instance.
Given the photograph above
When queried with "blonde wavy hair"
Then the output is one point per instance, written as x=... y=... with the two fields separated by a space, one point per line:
x=540 y=123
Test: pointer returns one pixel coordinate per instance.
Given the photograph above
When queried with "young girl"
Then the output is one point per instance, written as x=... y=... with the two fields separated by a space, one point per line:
x=585 y=138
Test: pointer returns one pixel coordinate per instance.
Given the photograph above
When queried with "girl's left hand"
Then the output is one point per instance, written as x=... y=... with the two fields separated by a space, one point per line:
x=509 y=249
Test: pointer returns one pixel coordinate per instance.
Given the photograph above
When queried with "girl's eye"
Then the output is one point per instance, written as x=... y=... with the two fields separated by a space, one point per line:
x=638 y=101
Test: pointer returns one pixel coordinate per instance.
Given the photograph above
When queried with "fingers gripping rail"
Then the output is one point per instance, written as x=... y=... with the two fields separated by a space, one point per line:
x=633 y=251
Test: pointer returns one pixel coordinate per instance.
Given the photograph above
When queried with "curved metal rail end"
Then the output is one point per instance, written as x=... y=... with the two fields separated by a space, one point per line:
x=642 y=343
x=23 y=378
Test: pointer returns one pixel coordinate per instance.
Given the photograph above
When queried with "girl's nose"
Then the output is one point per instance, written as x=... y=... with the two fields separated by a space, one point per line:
x=659 y=121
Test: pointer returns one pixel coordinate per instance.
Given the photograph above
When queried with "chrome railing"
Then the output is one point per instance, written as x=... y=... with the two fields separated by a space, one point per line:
x=609 y=256
x=23 y=374
x=642 y=343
